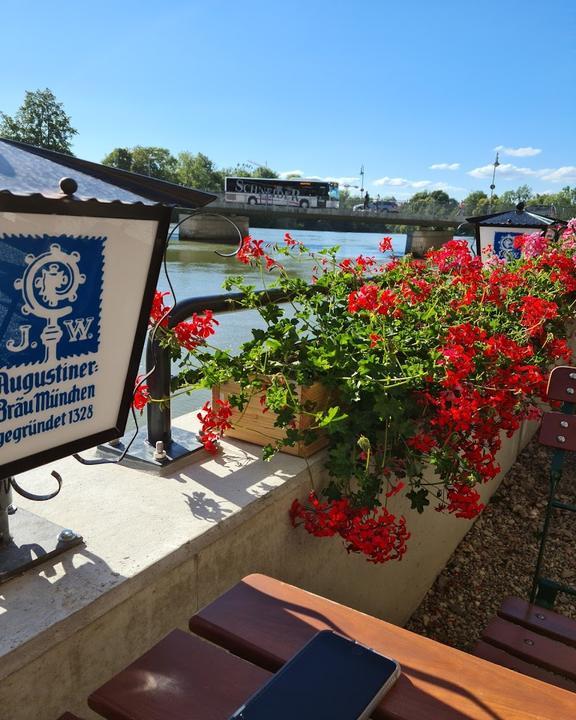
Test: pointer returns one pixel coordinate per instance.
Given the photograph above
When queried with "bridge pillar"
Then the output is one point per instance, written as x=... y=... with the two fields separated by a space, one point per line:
x=214 y=228
x=419 y=241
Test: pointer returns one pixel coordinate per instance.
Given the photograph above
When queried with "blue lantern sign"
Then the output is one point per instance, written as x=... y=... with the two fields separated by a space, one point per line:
x=75 y=293
x=503 y=246
x=496 y=233
x=79 y=261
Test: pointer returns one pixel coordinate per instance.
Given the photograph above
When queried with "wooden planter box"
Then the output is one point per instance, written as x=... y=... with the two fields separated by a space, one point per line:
x=258 y=427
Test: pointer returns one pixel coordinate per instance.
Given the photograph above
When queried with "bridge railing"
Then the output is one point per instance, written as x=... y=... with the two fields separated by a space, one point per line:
x=441 y=211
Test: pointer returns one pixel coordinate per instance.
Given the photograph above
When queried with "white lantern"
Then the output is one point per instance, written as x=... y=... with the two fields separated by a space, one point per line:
x=496 y=233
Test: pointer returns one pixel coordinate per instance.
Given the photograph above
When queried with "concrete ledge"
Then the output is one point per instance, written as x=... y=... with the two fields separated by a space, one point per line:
x=158 y=548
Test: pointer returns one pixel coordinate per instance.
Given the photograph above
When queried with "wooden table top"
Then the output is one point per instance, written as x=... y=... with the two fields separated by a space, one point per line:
x=267 y=622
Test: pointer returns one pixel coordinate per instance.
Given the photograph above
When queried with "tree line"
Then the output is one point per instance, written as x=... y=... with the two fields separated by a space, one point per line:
x=42 y=121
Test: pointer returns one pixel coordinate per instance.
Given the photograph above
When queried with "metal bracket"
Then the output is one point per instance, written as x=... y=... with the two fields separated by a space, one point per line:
x=144 y=456
x=26 y=539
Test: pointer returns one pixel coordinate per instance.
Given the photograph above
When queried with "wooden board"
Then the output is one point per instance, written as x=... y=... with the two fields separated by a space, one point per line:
x=539 y=619
x=180 y=678
x=255 y=426
x=500 y=657
x=532 y=647
x=267 y=621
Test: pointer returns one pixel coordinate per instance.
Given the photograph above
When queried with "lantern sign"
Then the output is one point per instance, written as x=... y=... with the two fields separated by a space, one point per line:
x=81 y=247
x=496 y=233
x=74 y=300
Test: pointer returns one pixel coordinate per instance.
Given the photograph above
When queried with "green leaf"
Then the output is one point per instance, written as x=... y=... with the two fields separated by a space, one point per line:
x=418 y=499
x=332 y=415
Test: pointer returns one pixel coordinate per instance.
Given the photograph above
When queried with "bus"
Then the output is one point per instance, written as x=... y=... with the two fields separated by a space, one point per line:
x=273 y=191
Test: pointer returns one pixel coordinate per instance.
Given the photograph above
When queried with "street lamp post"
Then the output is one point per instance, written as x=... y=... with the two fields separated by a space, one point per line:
x=362 y=176
x=493 y=186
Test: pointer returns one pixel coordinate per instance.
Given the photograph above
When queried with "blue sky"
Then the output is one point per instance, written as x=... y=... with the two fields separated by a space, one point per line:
x=420 y=93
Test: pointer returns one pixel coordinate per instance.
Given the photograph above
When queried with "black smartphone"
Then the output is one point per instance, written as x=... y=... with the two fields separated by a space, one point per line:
x=331 y=678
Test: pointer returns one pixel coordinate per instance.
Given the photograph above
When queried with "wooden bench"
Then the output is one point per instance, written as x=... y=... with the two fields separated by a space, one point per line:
x=532 y=640
x=525 y=636
x=180 y=678
x=266 y=622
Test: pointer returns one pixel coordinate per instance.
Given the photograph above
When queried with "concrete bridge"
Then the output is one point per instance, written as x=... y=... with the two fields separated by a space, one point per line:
x=341 y=219
x=209 y=226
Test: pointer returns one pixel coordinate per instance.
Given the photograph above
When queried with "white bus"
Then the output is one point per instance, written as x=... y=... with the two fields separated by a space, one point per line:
x=273 y=191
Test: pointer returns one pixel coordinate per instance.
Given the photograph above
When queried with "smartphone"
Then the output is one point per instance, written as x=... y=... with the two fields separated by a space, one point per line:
x=331 y=678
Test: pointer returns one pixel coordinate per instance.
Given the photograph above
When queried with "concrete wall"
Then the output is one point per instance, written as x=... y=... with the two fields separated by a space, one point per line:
x=158 y=548
x=214 y=228
x=419 y=241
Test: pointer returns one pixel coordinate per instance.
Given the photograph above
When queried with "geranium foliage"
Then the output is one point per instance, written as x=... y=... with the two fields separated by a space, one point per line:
x=428 y=363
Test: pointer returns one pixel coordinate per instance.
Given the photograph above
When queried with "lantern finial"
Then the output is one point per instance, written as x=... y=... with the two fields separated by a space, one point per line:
x=68 y=185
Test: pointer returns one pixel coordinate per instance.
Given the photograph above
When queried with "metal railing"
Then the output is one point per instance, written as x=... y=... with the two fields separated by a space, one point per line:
x=424 y=211
x=158 y=360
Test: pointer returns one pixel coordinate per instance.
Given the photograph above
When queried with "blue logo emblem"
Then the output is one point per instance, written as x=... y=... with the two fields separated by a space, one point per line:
x=504 y=245
x=50 y=294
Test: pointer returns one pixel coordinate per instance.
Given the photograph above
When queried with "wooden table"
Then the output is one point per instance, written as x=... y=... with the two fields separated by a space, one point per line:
x=266 y=622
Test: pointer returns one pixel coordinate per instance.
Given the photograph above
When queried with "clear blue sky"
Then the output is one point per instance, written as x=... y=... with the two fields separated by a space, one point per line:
x=316 y=86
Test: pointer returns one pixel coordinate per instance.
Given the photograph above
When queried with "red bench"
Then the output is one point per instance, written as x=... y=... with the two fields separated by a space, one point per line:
x=180 y=678
x=525 y=636
x=532 y=640
x=266 y=622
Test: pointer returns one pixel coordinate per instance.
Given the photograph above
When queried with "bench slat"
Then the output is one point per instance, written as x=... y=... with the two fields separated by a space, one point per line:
x=500 y=657
x=267 y=621
x=180 y=678
x=531 y=646
x=538 y=619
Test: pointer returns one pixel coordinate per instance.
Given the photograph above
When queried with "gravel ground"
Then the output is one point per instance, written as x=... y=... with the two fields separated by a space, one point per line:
x=497 y=557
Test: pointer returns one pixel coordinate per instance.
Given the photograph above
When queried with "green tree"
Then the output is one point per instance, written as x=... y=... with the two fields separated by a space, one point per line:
x=566 y=196
x=41 y=121
x=513 y=197
x=198 y=171
x=476 y=203
x=119 y=158
x=250 y=170
x=157 y=162
x=435 y=204
x=263 y=171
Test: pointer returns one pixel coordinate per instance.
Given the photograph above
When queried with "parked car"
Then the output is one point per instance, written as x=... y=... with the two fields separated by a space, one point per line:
x=377 y=206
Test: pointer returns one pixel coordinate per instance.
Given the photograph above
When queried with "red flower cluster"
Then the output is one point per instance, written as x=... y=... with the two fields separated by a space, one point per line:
x=453 y=255
x=385 y=244
x=370 y=297
x=141 y=394
x=192 y=333
x=463 y=502
x=251 y=250
x=377 y=533
x=214 y=421
x=361 y=265
x=159 y=312
x=534 y=313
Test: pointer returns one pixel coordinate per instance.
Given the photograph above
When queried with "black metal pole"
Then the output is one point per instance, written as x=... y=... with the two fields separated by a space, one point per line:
x=158 y=415
x=5 y=503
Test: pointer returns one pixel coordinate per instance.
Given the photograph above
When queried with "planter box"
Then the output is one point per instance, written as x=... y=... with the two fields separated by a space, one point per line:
x=258 y=427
